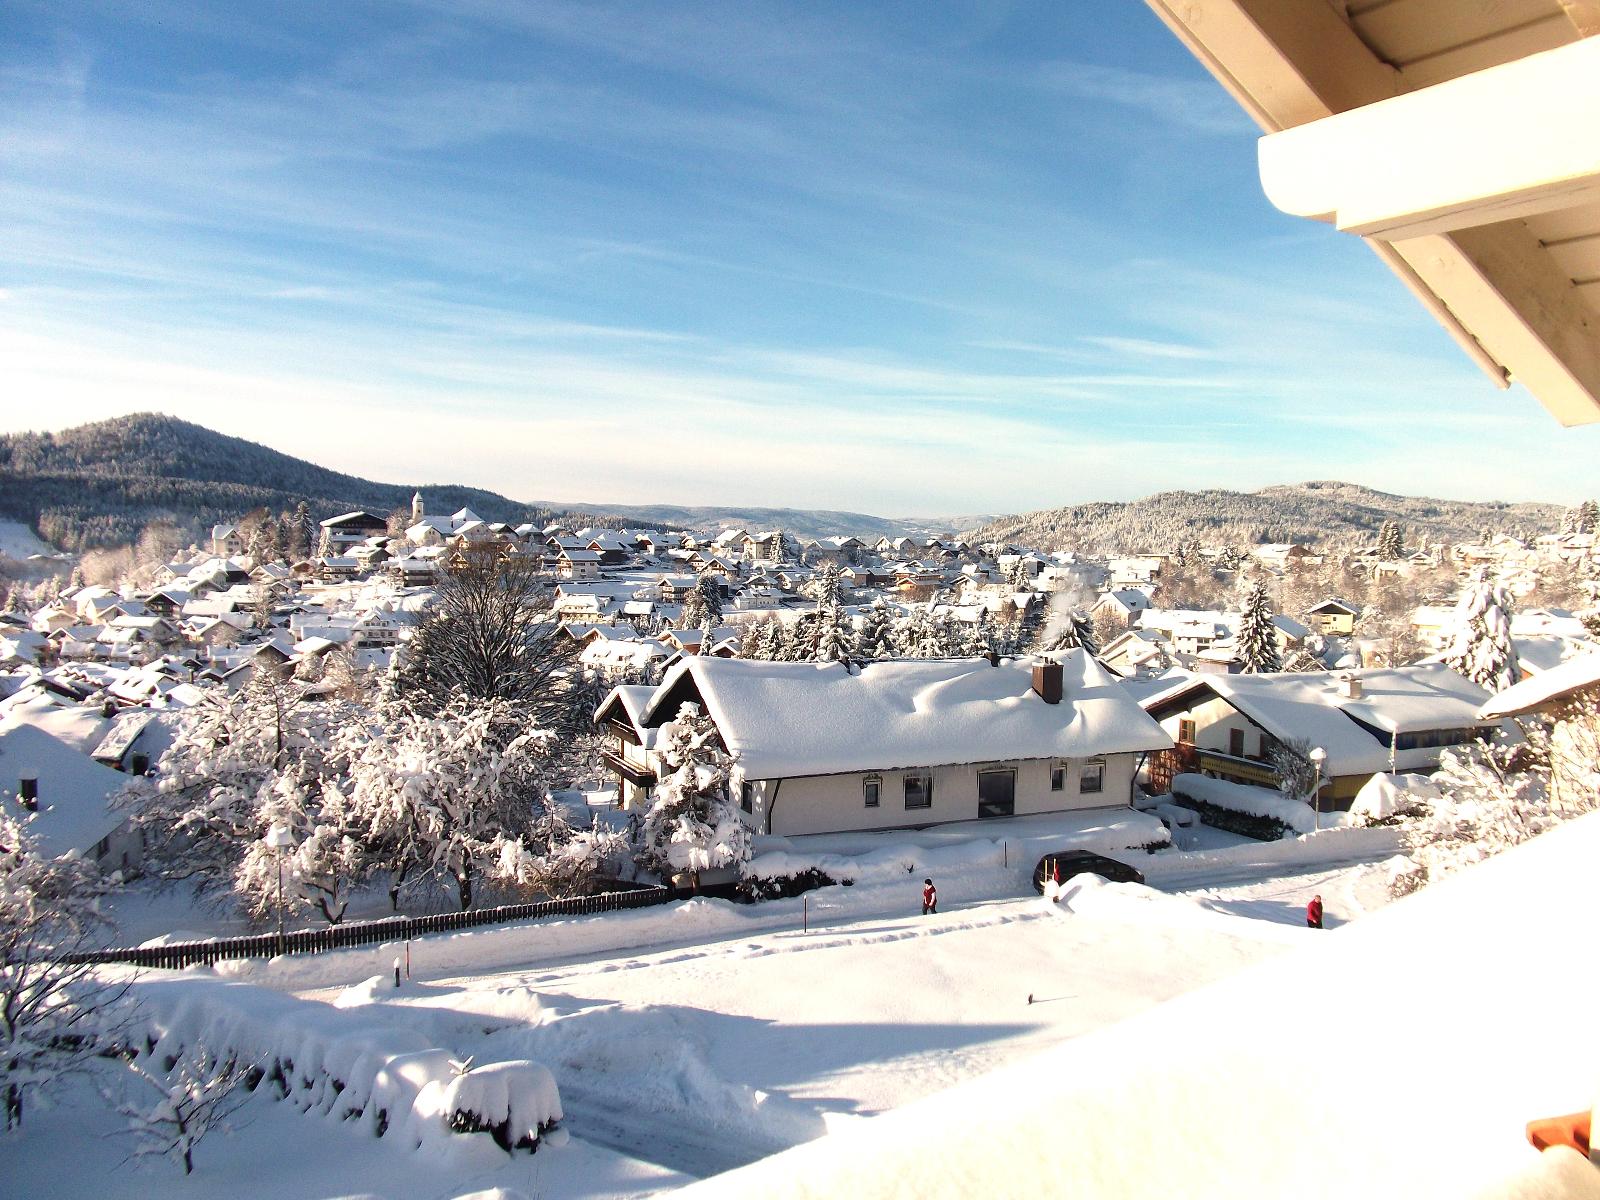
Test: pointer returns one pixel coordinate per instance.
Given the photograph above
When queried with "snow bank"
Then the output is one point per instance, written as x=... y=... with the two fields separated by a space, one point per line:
x=1326 y=846
x=1134 y=903
x=1251 y=801
x=344 y=1064
x=1291 y=1091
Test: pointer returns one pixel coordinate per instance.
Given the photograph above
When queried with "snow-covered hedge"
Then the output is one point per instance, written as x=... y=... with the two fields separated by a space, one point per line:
x=342 y=1064
x=514 y=1102
x=1265 y=814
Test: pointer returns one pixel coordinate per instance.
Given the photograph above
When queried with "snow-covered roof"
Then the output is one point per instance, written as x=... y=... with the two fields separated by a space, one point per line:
x=357 y=515
x=1574 y=675
x=1313 y=706
x=75 y=792
x=794 y=719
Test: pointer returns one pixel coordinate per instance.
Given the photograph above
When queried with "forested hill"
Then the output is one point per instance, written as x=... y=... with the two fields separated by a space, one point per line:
x=1321 y=511
x=101 y=484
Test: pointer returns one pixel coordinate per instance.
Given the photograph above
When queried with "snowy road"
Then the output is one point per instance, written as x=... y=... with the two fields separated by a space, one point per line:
x=702 y=1057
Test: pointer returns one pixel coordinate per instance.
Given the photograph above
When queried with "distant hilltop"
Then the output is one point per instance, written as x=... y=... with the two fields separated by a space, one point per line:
x=101 y=484
x=1318 y=511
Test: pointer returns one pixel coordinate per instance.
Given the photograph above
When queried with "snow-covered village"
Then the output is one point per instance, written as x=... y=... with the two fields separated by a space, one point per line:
x=1141 y=823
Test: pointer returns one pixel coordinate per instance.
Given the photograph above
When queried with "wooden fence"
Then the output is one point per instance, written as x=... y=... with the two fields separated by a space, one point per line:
x=367 y=933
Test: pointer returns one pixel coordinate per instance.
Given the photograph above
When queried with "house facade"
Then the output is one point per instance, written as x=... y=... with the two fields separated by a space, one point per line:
x=1365 y=722
x=824 y=748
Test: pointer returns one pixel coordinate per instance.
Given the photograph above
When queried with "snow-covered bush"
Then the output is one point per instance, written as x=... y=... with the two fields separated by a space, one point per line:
x=1391 y=799
x=694 y=825
x=1239 y=808
x=757 y=887
x=515 y=1102
x=191 y=1099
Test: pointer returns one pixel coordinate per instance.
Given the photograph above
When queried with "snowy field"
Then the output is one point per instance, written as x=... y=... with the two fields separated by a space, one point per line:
x=705 y=1035
x=18 y=541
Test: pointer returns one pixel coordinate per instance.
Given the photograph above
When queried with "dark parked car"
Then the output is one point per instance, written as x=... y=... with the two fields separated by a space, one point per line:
x=1063 y=866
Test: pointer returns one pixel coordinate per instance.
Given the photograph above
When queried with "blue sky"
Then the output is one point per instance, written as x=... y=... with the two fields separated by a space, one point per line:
x=904 y=258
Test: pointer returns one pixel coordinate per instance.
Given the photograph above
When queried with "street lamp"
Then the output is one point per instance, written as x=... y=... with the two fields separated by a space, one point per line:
x=280 y=839
x=1318 y=756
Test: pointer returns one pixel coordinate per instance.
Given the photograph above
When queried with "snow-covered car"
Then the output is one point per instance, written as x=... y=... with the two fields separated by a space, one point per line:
x=1064 y=865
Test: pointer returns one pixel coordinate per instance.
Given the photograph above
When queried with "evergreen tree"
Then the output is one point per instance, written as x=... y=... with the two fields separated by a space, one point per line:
x=1390 y=548
x=1075 y=631
x=1257 y=638
x=875 y=640
x=1481 y=647
x=1588 y=517
x=301 y=536
x=695 y=824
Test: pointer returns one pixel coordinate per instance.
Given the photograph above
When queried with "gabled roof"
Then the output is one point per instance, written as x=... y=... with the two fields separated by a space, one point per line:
x=795 y=719
x=75 y=792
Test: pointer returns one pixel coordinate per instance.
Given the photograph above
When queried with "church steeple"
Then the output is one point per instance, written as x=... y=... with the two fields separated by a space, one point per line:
x=416 y=508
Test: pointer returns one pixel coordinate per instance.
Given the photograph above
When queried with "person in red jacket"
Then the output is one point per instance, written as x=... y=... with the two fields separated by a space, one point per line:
x=930 y=897
x=1314 y=913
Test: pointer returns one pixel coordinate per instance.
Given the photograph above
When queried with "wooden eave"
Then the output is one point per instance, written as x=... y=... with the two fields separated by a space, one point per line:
x=1520 y=294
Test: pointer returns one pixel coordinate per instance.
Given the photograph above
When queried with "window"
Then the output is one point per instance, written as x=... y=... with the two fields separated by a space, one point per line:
x=1186 y=732
x=1093 y=777
x=918 y=789
x=871 y=790
x=1236 y=742
x=747 y=796
x=1058 y=776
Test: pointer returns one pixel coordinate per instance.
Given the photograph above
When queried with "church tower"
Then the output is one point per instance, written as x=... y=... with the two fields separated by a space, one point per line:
x=416 y=508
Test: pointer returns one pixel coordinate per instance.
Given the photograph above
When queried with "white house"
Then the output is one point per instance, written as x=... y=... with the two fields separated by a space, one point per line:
x=822 y=748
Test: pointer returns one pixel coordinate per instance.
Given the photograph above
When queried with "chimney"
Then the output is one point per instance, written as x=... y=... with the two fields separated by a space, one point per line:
x=1349 y=687
x=28 y=793
x=1047 y=680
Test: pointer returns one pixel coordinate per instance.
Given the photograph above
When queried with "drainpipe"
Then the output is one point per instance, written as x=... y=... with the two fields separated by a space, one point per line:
x=772 y=802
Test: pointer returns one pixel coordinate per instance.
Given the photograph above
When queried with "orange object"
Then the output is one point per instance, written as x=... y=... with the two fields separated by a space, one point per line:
x=1570 y=1130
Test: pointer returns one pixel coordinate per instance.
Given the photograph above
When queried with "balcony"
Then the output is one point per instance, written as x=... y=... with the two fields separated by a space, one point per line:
x=628 y=771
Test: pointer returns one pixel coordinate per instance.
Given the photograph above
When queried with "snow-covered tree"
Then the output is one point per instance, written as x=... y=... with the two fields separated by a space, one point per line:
x=52 y=1011
x=1070 y=630
x=440 y=791
x=204 y=809
x=832 y=644
x=1390 y=548
x=556 y=859
x=874 y=639
x=695 y=824
x=327 y=862
x=300 y=534
x=1588 y=517
x=1489 y=802
x=1298 y=778
x=1257 y=637
x=1481 y=647
x=491 y=636
x=702 y=604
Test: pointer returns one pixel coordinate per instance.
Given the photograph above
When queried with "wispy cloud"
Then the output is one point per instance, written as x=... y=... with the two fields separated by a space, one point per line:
x=1192 y=104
